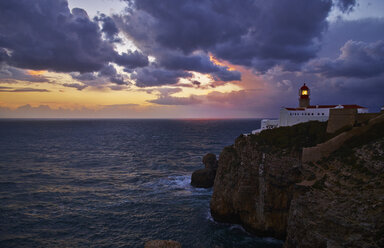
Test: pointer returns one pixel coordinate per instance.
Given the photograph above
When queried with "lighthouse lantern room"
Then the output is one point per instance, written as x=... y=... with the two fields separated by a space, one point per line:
x=304 y=96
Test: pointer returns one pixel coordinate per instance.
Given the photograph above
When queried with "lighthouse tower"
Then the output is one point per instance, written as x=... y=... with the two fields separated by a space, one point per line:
x=304 y=96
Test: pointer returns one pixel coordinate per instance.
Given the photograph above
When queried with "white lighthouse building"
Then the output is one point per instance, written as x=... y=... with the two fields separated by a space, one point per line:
x=305 y=112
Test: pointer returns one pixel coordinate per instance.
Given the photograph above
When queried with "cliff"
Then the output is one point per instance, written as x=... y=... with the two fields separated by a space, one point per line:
x=336 y=201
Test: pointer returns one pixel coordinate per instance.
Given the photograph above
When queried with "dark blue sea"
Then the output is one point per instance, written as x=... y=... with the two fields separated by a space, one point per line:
x=112 y=183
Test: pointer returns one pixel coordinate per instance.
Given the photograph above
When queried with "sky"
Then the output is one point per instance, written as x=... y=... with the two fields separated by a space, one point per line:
x=187 y=59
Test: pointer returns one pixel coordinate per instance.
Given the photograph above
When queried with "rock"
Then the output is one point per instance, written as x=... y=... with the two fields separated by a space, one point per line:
x=210 y=161
x=254 y=189
x=345 y=207
x=162 y=244
x=337 y=201
x=203 y=178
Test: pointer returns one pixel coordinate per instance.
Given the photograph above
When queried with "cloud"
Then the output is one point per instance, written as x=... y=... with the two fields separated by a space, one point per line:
x=46 y=35
x=9 y=89
x=256 y=33
x=346 y=5
x=152 y=76
x=88 y=76
x=101 y=111
x=165 y=98
x=107 y=70
x=131 y=60
x=9 y=74
x=76 y=86
x=357 y=59
x=109 y=28
x=171 y=100
x=198 y=63
x=341 y=31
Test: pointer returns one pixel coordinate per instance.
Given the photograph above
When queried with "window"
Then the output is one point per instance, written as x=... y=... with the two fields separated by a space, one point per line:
x=322 y=113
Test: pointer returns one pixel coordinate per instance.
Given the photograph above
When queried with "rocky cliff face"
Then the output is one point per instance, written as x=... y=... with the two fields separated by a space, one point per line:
x=254 y=188
x=344 y=205
x=337 y=201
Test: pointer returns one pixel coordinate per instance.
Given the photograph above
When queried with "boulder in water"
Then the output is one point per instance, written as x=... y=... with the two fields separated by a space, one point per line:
x=205 y=178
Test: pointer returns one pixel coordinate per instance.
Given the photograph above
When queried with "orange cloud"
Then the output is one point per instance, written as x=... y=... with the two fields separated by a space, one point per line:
x=220 y=63
x=36 y=73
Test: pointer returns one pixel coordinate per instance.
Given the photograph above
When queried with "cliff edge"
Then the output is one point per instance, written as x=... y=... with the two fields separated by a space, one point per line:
x=335 y=201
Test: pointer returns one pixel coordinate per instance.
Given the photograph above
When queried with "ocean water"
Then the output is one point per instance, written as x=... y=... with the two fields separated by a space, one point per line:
x=112 y=183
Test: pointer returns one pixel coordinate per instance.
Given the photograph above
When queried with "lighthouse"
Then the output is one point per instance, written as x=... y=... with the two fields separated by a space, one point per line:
x=304 y=96
x=305 y=112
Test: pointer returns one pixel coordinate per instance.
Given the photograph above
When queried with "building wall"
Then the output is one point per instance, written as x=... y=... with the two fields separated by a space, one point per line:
x=269 y=124
x=293 y=117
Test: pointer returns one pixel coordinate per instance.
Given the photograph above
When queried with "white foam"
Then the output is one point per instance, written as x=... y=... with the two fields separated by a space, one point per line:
x=272 y=240
x=209 y=216
x=237 y=227
x=179 y=182
x=176 y=184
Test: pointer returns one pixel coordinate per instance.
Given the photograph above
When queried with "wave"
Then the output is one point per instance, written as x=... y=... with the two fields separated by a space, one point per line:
x=177 y=185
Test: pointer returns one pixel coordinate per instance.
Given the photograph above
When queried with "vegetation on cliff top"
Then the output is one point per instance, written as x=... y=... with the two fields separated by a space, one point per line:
x=374 y=133
x=293 y=138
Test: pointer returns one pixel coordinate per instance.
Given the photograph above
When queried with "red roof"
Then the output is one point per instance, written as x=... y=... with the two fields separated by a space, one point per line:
x=295 y=109
x=304 y=87
x=347 y=106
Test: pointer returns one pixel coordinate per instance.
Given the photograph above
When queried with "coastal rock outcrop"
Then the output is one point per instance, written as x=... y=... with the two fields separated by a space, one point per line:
x=204 y=178
x=254 y=188
x=335 y=201
x=343 y=206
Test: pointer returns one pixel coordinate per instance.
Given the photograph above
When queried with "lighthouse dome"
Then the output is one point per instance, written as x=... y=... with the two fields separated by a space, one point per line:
x=304 y=87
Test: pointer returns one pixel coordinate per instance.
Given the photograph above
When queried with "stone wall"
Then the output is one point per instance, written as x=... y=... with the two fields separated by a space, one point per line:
x=313 y=154
x=361 y=118
x=339 y=118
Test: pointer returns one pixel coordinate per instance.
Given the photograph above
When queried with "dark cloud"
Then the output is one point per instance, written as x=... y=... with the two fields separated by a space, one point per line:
x=107 y=71
x=346 y=5
x=118 y=79
x=131 y=60
x=171 y=100
x=9 y=89
x=44 y=34
x=109 y=28
x=226 y=75
x=117 y=87
x=259 y=34
x=76 y=86
x=340 y=31
x=357 y=59
x=199 y=63
x=165 y=98
x=3 y=55
x=9 y=74
x=197 y=83
x=152 y=76
x=88 y=76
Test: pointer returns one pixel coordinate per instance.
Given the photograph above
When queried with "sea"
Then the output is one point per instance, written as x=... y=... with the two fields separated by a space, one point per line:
x=112 y=183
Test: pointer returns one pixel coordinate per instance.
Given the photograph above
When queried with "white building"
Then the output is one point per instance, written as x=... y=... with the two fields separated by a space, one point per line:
x=305 y=112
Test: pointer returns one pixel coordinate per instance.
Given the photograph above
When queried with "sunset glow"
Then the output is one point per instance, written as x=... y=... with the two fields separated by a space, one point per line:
x=36 y=73
x=242 y=71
